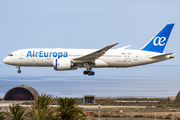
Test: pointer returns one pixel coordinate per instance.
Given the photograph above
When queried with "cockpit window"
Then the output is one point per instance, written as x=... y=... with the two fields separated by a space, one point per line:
x=10 y=55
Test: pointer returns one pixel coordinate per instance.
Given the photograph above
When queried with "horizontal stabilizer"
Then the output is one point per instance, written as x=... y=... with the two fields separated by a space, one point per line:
x=162 y=56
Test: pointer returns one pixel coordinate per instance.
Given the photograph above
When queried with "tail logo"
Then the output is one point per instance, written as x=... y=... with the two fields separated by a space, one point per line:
x=159 y=41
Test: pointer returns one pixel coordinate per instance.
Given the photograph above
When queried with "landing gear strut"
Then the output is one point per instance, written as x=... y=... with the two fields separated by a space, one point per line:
x=89 y=72
x=19 y=71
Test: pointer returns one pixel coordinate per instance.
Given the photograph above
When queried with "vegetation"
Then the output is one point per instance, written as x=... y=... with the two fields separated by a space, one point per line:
x=15 y=112
x=67 y=110
x=41 y=110
x=1 y=115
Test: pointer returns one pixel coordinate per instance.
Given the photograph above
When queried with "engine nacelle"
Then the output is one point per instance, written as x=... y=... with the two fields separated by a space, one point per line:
x=63 y=64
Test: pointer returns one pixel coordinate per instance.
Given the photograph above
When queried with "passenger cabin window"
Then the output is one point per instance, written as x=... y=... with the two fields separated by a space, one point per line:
x=10 y=55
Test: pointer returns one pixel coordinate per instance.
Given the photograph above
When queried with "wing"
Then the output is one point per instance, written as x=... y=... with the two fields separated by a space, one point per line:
x=121 y=48
x=93 y=56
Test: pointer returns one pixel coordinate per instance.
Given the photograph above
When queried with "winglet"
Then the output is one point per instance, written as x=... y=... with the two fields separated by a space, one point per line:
x=110 y=46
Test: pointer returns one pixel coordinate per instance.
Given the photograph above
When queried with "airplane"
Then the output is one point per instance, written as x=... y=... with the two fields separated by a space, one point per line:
x=71 y=59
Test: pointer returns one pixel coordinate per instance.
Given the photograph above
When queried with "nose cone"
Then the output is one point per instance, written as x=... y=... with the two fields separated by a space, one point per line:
x=6 y=61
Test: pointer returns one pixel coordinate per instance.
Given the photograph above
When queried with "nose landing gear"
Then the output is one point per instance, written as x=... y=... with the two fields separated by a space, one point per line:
x=19 y=71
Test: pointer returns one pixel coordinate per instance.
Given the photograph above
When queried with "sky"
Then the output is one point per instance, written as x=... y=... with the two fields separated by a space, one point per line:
x=86 y=24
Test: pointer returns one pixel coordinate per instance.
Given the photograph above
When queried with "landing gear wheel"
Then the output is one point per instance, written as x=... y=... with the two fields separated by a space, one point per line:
x=92 y=73
x=85 y=72
x=89 y=73
x=19 y=71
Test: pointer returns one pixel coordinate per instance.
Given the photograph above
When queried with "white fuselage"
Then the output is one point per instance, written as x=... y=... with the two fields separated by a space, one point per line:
x=71 y=59
x=112 y=58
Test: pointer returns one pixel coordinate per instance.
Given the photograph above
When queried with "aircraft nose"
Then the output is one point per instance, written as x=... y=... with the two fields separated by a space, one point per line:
x=5 y=60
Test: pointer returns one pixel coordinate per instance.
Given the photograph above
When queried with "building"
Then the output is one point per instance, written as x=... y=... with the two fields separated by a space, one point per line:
x=21 y=93
x=89 y=99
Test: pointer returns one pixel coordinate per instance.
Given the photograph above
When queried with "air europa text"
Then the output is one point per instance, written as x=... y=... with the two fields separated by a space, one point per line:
x=46 y=54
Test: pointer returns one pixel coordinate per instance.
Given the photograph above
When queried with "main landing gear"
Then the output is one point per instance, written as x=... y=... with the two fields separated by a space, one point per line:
x=19 y=71
x=89 y=72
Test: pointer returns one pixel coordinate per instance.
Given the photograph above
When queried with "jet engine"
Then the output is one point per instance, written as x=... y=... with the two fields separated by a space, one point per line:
x=63 y=64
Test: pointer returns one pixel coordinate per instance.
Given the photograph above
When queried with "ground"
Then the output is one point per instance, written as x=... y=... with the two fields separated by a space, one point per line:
x=126 y=108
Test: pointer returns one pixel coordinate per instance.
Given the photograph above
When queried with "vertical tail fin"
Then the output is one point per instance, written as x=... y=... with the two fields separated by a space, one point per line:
x=158 y=43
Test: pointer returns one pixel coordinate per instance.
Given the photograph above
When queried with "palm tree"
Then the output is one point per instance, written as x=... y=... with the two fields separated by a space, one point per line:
x=15 y=112
x=40 y=108
x=67 y=110
x=1 y=115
